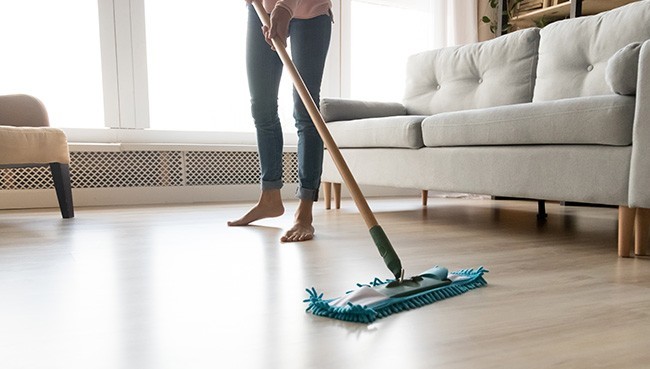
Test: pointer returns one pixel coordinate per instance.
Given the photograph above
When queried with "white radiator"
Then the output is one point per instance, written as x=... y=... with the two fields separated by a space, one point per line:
x=97 y=169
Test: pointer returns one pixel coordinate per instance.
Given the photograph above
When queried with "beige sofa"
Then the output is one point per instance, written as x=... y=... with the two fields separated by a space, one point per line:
x=561 y=113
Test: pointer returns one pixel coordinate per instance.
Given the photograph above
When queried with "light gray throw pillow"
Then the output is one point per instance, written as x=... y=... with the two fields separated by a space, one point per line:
x=622 y=68
x=336 y=109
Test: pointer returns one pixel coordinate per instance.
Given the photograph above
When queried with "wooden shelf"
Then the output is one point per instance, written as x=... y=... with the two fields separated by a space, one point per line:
x=563 y=10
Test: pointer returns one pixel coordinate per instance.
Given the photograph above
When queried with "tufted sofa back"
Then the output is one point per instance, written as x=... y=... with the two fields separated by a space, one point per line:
x=480 y=75
x=573 y=53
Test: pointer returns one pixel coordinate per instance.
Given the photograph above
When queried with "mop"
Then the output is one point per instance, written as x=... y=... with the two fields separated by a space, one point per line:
x=379 y=298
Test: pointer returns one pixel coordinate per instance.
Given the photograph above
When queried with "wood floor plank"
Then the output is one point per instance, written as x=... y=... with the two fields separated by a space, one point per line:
x=174 y=287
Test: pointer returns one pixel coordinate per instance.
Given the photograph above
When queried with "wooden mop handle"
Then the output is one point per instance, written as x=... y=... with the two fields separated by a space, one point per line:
x=319 y=122
x=384 y=246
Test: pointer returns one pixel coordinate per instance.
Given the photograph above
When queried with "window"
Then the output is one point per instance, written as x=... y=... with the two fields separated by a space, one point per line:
x=197 y=67
x=180 y=65
x=382 y=34
x=51 y=50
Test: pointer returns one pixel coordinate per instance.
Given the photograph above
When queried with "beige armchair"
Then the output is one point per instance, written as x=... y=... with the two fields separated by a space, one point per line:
x=26 y=140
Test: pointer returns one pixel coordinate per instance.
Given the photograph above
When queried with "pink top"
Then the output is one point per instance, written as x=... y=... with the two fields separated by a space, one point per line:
x=301 y=9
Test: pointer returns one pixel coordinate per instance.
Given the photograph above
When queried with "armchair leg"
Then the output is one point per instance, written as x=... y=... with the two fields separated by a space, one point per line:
x=625 y=230
x=425 y=197
x=61 y=178
x=641 y=231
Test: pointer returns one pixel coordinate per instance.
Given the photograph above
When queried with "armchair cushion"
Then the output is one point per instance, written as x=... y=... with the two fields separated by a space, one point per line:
x=32 y=145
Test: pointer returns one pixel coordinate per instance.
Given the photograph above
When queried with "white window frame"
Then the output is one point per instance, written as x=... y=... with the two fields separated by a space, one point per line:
x=124 y=63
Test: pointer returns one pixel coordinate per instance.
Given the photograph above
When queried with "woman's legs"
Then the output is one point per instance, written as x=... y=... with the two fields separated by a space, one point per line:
x=264 y=69
x=310 y=39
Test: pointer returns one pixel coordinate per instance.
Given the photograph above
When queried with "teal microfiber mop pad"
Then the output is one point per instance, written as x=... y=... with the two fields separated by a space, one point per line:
x=379 y=298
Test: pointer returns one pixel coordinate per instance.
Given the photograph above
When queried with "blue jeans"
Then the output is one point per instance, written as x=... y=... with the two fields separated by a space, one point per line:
x=310 y=40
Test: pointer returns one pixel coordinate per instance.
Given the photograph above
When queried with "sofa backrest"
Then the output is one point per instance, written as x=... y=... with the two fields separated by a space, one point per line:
x=573 y=53
x=479 y=75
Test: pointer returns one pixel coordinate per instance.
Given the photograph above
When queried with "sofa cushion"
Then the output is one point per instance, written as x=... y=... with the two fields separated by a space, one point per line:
x=491 y=73
x=573 y=53
x=622 y=68
x=602 y=120
x=398 y=131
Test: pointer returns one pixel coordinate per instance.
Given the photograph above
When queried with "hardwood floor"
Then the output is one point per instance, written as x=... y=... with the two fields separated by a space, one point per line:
x=174 y=287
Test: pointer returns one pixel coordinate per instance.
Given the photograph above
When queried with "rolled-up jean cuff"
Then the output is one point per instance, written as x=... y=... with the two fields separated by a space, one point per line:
x=271 y=185
x=307 y=194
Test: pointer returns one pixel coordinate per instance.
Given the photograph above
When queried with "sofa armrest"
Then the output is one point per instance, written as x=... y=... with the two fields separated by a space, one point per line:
x=22 y=111
x=334 y=109
x=639 y=193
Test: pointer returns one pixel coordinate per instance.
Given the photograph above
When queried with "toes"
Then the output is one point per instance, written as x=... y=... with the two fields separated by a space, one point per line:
x=289 y=238
x=306 y=237
x=297 y=236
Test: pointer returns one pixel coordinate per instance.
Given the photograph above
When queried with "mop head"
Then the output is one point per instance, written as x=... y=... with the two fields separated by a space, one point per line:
x=379 y=298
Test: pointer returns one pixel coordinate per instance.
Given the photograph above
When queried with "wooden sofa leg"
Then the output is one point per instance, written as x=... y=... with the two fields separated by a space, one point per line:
x=327 y=193
x=425 y=197
x=337 y=195
x=625 y=230
x=63 y=187
x=641 y=231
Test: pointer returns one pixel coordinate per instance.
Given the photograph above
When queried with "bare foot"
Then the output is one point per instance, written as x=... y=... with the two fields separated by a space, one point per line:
x=299 y=232
x=302 y=229
x=268 y=206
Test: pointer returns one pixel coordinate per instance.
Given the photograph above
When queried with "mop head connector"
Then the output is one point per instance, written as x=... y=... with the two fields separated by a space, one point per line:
x=381 y=298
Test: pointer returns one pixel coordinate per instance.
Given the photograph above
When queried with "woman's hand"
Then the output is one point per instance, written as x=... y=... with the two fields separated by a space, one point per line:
x=280 y=18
